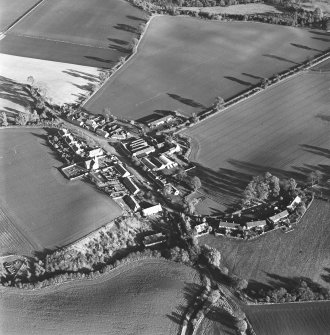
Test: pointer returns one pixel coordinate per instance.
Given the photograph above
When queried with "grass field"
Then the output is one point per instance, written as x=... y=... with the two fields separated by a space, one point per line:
x=184 y=63
x=145 y=297
x=290 y=319
x=11 y=10
x=49 y=210
x=85 y=32
x=276 y=258
x=284 y=130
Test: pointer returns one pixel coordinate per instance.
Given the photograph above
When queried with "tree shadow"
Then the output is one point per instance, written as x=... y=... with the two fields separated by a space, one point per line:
x=98 y=59
x=188 y=102
x=321 y=39
x=326 y=277
x=224 y=319
x=252 y=76
x=82 y=75
x=319 y=33
x=119 y=48
x=239 y=81
x=323 y=117
x=305 y=47
x=136 y=18
x=125 y=27
x=118 y=41
x=280 y=58
x=316 y=150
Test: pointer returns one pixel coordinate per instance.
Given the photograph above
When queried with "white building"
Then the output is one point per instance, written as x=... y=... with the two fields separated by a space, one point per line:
x=152 y=210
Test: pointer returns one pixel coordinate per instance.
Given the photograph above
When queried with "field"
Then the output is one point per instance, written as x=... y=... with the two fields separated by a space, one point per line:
x=145 y=297
x=11 y=10
x=63 y=82
x=185 y=63
x=290 y=319
x=276 y=258
x=284 y=130
x=86 y=32
x=43 y=206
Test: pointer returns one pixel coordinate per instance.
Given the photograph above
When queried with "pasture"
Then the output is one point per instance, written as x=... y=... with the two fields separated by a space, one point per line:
x=144 y=297
x=11 y=10
x=290 y=319
x=278 y=258
x=284 y=130
x=42 y=206
x=184 y=63
x=86 y=32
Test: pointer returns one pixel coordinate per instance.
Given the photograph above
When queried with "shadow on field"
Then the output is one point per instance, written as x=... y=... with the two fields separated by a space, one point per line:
x=305 y=47
x=119 y=48
x=280 y=58
x=191 y=291
x=316 y=150
x=82 y=75
x=323 y=117
x=252 y=76
x=321 y=39
x=319 y=33
x=219 y=315
x=98 y=59
x=118 y=41
x=326 y=277
x=239 y=81
x=188 y=102
x=136 y=18
x=125 y=27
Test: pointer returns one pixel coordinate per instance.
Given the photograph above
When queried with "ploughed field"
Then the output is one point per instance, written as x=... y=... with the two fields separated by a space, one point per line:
x=85 y=32
x=184 y=64
x=12 y=10
x=290 y=319
x=39 y=207
x=279 y=258
x=284 y=130
x=144 y=297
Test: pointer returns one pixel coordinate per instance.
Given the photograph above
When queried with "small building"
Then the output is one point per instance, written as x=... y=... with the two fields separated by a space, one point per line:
x=63 y=132
x=92 y=164
x=154 y=239
x=296 y=201
x=121 y=170
x=144 y=150
x=202 y=228
x=132 y=203
x=152 y=210
x=95 y=152
x=102 y=133
x=258 y=225
x=167 y=163
x=130 y=185
x=228 y=226
x=161 y=120
x=148 y=163
x=278 y=217
x=175 y=148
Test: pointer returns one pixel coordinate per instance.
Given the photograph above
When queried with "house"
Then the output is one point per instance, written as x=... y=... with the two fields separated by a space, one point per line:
x=202 y=228
x=121 y=170
x=278 y=217
x=130 y=185
x=228 y=226
x=91 y=124
x=102 y=133
x=167 y=163
x=145 y=150
x=92 y=164
x=95 y=152
x=63 y=132
x=154 y=239
x=152 y=210
x=148 y=163
x=132 y=203
x=258 y=225
x=161 y=120
x=173 y=149
x=174 y=190
x=296 y=201
x=76 y=147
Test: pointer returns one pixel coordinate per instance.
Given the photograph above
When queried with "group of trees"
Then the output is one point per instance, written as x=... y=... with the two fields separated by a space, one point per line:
x=3 y=119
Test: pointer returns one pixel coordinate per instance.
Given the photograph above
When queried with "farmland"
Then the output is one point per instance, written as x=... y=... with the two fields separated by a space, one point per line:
x=42 y=206
x=11 y=10
x=94 y=33
x=284 y=130
x=145 y=297
x=290 y=319
x=276 y=258
x=184 y=64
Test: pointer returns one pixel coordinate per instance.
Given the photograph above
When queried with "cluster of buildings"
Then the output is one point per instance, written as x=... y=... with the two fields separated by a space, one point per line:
x=99 y=125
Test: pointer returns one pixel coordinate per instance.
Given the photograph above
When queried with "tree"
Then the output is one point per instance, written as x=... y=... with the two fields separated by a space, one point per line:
x=4 y=121
x=315 y=177
x=30 y=80
x=196 y=183
x=22 y=118
x=214 y=296
x=134 y=43
x=181 y=174
x=219 y=102
x=241 y=326
x=212 y=255
x=239 y=283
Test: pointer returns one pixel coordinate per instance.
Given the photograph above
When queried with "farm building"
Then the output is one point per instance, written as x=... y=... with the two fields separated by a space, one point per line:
x=121 y=170
x=158 y=122
x=173 y=149
x=152 y=210
x=130 y=185
x=154 y=239
x=256 y=224
x=92 y=164
x=149 y=164
x=202 y=228
x=278 y=217
x=95 y=152
x=294 y=203
x=167 y=163
x=228 y=226
x=91 y=124
x=132 y=203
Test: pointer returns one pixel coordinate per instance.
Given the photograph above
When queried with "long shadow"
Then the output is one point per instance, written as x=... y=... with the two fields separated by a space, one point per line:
x=323 y=117
x=125 y=27
x=219 y=315
x=305 y=47
x=280 y=58
x=251 y=76
x=188 y=102
x=321 y=39
x=316 y=150
x=119 y=48
x=98 y=59
x=319 y=33
x=239 y=81
x=136 y=18
x=118 y=41
x=326 y=277
x=82 y=76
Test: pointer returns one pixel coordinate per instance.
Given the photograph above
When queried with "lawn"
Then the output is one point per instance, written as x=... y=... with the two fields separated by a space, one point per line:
x=185 y=63
x=284 y=130
x=144 y=297
x=276 y=258
x=42 y=205
x=87 y=31
x=290 y=319
x=11 y=10
x=63 y=82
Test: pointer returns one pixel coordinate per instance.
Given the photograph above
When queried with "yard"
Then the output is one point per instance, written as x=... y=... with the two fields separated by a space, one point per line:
x=185 y=63
x=42 y=208
x=144 y=297
x=283 y=130
x=279 y=258
x=87 y=32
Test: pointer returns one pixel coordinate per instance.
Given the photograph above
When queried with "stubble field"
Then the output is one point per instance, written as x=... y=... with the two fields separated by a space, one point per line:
x=284 y=130
x=184 y=64
x=38 y=202
x=144 y=297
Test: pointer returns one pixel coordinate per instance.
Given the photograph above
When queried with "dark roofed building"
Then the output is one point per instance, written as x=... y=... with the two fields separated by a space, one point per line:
x=132 y=203
x=130 y=185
